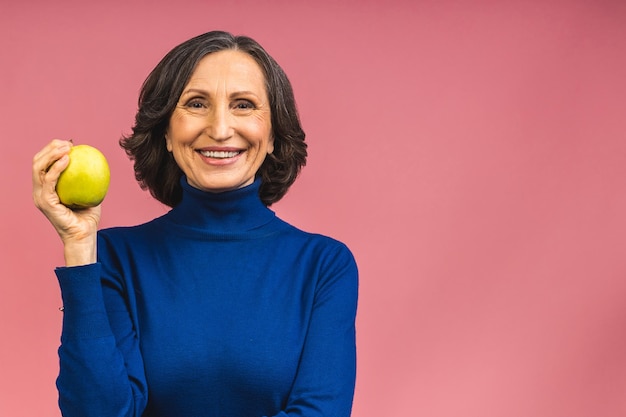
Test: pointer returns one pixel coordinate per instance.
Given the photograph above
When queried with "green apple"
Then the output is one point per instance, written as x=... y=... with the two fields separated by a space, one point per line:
x=85 y=181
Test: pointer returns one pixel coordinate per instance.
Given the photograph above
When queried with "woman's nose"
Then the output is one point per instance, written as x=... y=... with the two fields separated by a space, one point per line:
x=219 y=124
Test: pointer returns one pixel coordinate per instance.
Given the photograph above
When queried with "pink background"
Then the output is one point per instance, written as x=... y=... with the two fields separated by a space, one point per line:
x=472 y=155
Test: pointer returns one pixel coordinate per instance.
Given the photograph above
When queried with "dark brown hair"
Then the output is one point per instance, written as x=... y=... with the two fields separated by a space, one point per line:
x=155 y=168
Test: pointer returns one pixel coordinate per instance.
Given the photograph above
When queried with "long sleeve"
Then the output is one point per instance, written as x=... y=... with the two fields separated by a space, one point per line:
x=325 y=380
x=100 y=375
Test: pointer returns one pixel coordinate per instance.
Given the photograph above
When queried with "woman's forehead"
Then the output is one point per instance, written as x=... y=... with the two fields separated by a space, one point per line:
x=227 y=69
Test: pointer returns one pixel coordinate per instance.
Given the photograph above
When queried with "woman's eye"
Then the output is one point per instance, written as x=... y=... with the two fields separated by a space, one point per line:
x=244 y=105
x=195 y=104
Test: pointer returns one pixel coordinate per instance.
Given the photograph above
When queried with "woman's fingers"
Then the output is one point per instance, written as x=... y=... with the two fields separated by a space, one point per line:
x=47 y=166
x=50 y=176
x=46 y=157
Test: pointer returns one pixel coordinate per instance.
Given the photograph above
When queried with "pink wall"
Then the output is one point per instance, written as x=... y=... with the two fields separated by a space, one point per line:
x=472 y=156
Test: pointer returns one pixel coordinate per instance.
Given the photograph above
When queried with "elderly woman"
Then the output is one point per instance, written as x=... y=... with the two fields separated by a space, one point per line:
x=217 y=308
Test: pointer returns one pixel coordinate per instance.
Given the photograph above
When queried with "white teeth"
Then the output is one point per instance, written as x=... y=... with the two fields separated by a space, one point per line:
x=219 y=154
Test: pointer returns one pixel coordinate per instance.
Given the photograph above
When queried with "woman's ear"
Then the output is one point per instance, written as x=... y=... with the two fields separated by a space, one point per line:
x=168 y=143
x=270 y=145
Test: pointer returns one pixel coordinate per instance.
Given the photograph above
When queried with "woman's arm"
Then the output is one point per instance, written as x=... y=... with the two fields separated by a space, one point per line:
x=100 y=374
x=324 y=385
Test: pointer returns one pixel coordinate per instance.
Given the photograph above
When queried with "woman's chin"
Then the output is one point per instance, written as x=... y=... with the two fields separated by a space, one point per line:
x=219 y=183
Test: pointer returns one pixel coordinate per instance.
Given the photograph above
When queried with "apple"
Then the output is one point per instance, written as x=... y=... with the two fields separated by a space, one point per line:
x=85 y=181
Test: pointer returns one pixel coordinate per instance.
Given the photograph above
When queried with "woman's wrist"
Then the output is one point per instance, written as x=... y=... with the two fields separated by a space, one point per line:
x=80 y=252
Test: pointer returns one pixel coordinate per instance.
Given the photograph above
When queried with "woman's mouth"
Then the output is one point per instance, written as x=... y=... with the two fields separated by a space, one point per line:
x=220 y=154
x=221 y=157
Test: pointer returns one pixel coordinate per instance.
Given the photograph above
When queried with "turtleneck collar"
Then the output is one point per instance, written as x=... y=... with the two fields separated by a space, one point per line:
x=227 y=212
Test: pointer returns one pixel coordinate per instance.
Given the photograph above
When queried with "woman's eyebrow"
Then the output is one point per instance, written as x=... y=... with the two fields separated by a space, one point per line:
x=206 y=93
x=196 y=91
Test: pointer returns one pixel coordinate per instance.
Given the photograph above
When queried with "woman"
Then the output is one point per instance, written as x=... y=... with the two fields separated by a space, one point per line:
x=217 y=308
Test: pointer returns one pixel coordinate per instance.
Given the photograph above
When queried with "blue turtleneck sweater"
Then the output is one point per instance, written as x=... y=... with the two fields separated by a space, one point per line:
x=216 y=309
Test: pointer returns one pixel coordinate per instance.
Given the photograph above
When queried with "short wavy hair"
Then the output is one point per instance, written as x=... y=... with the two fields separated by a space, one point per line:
x=155 y=168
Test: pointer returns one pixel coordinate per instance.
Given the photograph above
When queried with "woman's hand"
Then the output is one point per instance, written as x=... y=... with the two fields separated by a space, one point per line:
x=77 y=228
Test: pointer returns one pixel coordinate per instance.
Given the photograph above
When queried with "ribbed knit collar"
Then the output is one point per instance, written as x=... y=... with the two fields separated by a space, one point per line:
x=227 y=212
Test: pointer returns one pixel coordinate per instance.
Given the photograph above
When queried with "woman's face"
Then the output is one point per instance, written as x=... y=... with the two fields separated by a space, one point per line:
x=220 y=131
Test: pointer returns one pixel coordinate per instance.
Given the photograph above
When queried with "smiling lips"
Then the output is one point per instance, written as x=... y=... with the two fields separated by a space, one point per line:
x=223 y=156
x=220 y=154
